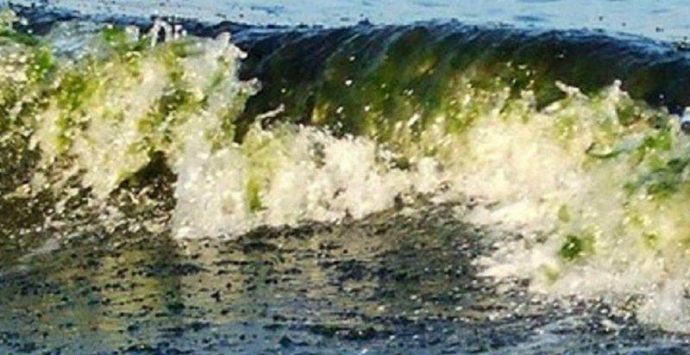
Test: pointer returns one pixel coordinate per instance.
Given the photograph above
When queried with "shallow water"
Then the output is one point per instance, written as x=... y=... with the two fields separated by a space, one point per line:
x=426 y=188
x=397 y=282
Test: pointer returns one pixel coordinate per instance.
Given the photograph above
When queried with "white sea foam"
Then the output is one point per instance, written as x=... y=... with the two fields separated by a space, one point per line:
x=601 y=205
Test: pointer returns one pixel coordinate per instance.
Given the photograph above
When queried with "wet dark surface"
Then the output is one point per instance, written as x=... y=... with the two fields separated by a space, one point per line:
x=393 y=283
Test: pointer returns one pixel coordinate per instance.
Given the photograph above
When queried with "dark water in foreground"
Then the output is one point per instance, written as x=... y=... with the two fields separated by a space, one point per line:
x=393 y=283
x=396 y=282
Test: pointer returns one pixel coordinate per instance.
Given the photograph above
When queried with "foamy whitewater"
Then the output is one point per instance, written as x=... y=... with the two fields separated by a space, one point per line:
x=586 y=196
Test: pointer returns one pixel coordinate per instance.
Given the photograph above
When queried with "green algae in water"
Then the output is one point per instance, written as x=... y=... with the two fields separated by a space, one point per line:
x=663 y=181
x=420 y=121
x=576 y=247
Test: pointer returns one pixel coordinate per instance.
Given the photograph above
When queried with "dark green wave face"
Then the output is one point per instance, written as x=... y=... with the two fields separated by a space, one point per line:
x=568 y=139
x=397 y=71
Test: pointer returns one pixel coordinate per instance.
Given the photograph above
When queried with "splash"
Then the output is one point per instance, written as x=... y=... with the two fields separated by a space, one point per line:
x=595 y=184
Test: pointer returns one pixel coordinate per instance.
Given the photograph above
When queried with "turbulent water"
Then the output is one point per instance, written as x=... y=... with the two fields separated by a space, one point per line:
x=528 y=187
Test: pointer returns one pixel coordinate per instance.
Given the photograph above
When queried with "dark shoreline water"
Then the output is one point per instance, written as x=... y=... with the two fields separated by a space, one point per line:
x=399 y=281
x=392 y=283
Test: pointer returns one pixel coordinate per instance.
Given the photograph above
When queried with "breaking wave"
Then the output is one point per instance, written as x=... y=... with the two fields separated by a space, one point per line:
x=577 y=164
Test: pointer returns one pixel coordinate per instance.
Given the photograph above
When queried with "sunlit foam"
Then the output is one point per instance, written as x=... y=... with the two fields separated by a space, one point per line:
x=599 y=199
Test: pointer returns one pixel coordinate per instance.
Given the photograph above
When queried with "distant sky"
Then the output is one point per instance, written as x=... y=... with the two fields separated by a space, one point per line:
x=661 y=19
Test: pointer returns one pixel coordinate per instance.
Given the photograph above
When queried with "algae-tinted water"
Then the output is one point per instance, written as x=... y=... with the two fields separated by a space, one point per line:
x=419 y=188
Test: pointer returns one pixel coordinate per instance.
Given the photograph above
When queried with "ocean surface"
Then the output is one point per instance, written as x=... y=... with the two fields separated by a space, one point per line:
x=665 y=19
x=344 y=177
